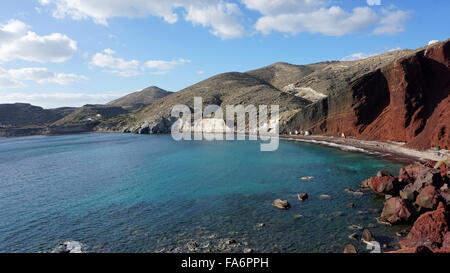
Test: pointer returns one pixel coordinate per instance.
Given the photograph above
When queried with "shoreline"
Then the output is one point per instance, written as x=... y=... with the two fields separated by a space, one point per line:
x=389 y=150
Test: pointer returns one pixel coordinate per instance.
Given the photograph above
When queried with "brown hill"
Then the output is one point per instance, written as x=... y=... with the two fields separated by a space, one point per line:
x=136 y=100
x=24 y=114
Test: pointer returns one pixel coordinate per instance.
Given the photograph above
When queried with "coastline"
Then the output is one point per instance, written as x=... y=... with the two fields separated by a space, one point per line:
x=389 y=150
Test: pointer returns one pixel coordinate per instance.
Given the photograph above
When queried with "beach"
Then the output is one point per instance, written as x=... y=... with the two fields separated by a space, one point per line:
x=390 y=150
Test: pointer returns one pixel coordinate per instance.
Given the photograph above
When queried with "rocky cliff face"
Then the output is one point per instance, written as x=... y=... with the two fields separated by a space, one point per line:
x=406 y=100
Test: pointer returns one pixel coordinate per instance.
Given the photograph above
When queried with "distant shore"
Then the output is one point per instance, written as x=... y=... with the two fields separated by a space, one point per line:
x=391 y=150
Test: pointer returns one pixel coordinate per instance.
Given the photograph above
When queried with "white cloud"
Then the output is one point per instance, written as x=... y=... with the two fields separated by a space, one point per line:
x=332 y=21
x=219 y=15
x=53 y=100
x=14 y=78
x=117 y=66
x=17 y=42
x=374 y=2
x=163 y=67
x=317 y=16
x=276 y=7
x=200 y=72
x=392 y=22
x=132 y=68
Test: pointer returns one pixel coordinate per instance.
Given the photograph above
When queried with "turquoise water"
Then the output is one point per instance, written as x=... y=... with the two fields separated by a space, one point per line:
x=141 y=193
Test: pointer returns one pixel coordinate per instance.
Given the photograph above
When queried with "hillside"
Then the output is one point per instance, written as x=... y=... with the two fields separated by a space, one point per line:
x=406 y=100
x=225 y=89
x=136 y=100
x=24 y=114
x=92 y=114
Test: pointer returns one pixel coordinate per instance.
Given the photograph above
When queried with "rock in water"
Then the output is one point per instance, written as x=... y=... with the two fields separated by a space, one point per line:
x=281 y=204
x=382 y=173
x=68 y=247
x=367 y=236
x=387 y=185
x=248 y=250
x=350 y=249
x=302 y=196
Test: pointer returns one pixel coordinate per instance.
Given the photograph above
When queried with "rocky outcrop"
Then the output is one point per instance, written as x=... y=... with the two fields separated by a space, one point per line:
x=407 y=100
x=384 y=185
x=422 y=200
x=429 y=230
x=397 y=211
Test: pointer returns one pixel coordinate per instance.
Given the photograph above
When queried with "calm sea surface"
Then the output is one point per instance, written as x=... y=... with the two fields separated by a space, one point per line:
x=141 y=193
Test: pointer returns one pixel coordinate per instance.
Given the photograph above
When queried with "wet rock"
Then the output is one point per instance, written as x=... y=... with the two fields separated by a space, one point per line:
x=193 y=246
x=429 y=230
x=358 y=193
x=409 y=193
x=355 y=227
x=281 y=204
x=401 y=233
x=302 y=196
x=428 y=197
x=349 y=191
x=397 y=210
x=68 y=247
x=367 y=236
x=248 y=250
x=384 y=185
x=445 y=188
x=260 y=225
x=351 y=205
x=337 y=214
x=231 y=242
x=350 y=249
x=365 y=184
x=353 y=236
x=383 y=173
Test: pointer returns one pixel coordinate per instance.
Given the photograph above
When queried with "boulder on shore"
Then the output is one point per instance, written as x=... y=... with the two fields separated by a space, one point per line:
x=429 y=230
x=397 y=210
x=428 y=197
x=387 y=185
x=430 y=177
x=281 y=204
x=409 y=193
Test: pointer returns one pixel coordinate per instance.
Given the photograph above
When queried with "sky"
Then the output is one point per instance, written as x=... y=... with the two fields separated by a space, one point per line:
x=57 y=53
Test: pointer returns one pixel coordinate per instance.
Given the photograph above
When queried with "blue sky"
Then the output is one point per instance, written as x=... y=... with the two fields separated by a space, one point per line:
x=69 y=53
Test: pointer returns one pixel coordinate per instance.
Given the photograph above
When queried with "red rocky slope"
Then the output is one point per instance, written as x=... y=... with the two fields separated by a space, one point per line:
x=407 y=101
